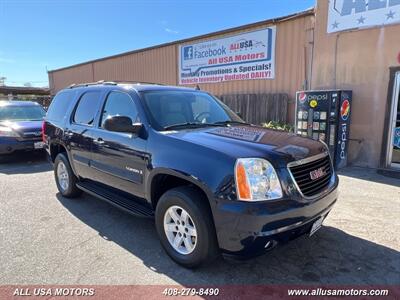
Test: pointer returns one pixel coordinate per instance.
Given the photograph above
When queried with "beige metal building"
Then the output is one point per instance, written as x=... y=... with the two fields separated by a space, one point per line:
x=160 y=63
x=306 y=57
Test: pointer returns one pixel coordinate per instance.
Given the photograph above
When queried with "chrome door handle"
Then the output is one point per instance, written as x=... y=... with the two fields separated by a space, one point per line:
x=99 y=141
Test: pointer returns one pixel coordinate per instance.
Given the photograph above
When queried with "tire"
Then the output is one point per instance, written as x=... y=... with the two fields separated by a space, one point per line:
x=205 y=246
x=68 y=188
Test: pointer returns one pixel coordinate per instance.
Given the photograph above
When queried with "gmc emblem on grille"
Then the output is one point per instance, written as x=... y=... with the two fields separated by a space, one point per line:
x=318 y=173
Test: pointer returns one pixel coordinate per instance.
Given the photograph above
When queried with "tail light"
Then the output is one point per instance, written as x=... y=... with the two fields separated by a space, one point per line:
x=43 y=129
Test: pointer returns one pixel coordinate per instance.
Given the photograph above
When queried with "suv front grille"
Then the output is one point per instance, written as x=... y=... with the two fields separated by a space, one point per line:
x=320 y=169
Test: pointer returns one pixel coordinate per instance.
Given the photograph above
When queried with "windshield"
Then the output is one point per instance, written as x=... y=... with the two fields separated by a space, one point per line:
x=21 y=113
x=169 y=108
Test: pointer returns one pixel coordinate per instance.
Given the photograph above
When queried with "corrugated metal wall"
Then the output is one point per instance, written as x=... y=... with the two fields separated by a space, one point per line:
x=155 y=65
x=63 y=78
x=292 y=53
x=358 y=60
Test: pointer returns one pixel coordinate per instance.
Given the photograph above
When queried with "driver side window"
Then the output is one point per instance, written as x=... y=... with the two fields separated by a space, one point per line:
x=119 y=104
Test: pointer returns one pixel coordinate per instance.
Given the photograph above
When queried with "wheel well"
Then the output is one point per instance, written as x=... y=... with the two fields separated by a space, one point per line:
x=163 y=182
x=55 y=149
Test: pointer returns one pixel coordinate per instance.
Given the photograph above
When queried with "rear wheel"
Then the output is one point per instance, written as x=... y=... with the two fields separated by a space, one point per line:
x=65 y=178
x=184 y=225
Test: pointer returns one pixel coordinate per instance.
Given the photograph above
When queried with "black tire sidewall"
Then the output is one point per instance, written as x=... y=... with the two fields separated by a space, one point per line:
x=200 y=216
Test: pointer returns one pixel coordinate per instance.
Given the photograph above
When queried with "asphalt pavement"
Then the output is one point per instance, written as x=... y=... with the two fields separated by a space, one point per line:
x=48 y=239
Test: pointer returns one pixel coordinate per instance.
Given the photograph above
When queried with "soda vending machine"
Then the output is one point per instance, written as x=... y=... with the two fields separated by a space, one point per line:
x=325 y=116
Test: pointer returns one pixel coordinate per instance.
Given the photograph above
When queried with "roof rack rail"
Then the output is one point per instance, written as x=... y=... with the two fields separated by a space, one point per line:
x=74 y=85
x=114 y=82
x=137 y=82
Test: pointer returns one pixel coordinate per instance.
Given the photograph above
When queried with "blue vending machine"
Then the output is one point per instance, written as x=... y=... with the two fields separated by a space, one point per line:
x=325 y=115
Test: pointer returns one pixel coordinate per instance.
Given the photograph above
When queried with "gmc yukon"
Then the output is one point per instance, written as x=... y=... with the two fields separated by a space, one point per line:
x=212 y=183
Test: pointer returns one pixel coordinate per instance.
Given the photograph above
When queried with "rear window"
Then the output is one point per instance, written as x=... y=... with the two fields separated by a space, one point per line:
x=59 y=105
x=87 y=108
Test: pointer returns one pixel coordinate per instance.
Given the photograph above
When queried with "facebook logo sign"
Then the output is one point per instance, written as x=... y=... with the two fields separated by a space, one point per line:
x=188 y=52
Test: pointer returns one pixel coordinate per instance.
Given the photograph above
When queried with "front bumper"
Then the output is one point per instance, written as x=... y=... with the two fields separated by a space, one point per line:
x=9 y=145
x=248 y=229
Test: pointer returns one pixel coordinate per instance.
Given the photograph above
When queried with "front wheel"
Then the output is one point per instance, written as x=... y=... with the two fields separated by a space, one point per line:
x=65 y=177
x=185 y=227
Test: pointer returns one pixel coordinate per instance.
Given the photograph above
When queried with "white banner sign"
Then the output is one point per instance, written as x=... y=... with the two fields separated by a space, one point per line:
x=250 y=55
x=351 y=14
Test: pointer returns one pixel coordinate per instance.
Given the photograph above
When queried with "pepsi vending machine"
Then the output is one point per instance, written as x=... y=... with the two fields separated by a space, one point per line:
x=325 y=116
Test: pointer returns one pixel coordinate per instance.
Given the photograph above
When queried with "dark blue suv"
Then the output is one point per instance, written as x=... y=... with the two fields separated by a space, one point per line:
x=212 y=182
x=20 y=126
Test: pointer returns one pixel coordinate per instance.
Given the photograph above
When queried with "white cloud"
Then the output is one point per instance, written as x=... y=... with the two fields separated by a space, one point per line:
x=171 y=31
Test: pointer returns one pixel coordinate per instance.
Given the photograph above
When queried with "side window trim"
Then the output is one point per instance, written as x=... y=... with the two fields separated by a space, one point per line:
x=72 y=115
x=100 y=119
x=72 y=98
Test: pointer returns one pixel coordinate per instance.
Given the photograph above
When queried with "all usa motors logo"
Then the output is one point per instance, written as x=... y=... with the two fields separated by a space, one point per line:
x=345 y=110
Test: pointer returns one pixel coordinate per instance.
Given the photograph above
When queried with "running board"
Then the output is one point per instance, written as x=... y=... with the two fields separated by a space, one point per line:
x=127 y=204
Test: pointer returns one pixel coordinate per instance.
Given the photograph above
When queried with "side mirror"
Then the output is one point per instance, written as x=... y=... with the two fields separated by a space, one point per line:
x=122 y=124
x=239 y=114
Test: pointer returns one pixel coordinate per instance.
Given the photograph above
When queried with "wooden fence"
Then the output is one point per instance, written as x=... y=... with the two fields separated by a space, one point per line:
x=259 y=108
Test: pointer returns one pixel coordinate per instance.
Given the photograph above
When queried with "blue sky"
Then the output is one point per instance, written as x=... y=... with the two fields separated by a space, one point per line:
x=36 y=35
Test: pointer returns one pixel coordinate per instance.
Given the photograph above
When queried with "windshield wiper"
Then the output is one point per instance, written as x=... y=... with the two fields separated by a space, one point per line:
x=230 y=122
x=190 y=124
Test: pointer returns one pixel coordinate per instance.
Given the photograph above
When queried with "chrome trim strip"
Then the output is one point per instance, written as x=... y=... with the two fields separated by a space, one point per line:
x=35 y=133
x=324 y=213
x=308 y=160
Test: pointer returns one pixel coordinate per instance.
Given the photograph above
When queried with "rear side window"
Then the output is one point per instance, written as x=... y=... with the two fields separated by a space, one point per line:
x=87 y=108
x=59 y=105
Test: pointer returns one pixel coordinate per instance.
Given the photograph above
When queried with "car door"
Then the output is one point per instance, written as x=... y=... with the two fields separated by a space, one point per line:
x=119 y=159
x=79 y=132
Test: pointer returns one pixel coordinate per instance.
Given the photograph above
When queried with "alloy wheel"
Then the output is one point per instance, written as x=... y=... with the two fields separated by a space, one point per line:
x=62 y=176
x=180 y=230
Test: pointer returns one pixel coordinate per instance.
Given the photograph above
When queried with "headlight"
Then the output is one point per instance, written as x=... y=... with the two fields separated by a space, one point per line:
x=256 y=180
x=7 y=131
x=325 y=144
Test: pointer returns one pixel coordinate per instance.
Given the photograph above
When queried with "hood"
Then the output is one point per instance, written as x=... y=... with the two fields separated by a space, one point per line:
x=278 y=147
x=23 y=127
